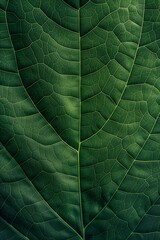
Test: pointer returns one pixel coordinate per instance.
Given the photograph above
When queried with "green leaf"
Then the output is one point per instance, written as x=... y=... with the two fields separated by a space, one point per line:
x=79 y=120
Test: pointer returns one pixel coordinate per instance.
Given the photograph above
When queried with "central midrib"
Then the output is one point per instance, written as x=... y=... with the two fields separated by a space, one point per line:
x=79 y=137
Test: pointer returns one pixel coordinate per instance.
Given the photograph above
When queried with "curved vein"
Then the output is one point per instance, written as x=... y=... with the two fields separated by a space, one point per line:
x=125 y=84
x=47 y=204
x=25 y=88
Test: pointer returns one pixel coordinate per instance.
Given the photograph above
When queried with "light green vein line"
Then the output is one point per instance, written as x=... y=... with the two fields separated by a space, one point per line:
x=56 y=23
x=25 y=88
x=14 y=229
x=126 y=172
x=60 y=218
x=110 y=117
x=56 y=215
x=80 y=114
x=143 y=217
x=126 y=84
x=99 y=23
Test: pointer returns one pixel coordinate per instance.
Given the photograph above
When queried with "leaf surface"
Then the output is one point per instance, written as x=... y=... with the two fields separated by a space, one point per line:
x=80 y=119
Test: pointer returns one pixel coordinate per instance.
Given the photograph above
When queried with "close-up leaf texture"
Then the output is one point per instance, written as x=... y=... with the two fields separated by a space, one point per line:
x=79 y=119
